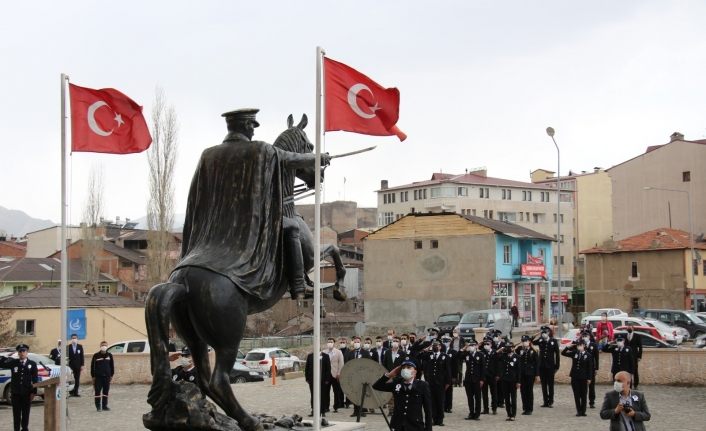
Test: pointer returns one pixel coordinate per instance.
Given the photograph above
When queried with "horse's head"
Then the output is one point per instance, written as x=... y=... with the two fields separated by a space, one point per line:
x=294 y=139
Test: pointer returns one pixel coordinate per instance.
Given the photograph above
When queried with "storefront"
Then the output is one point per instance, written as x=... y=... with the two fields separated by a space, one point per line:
x=502 y=294
x=527 y=302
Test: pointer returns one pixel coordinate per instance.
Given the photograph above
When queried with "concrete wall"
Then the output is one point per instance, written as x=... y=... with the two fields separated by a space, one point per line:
x=636 y=210
x=594 y=211
x=46 y=242
x=406 y=286
x=660 y=283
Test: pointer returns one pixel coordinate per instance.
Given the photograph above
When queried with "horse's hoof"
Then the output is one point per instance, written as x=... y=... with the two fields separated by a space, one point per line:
x=251 y=423
x=339 y=295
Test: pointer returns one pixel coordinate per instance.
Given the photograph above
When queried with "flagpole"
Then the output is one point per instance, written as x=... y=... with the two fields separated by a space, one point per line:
x=317 y=241
x=61 y=392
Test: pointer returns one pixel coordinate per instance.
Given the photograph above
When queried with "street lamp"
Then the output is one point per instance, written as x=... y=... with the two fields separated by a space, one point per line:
x=691 y=238
x=550 y=132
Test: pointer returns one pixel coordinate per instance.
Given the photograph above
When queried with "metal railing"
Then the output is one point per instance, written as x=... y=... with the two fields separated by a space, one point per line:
x=247 y=344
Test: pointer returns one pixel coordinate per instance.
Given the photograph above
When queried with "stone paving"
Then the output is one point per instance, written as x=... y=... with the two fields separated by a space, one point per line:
x=673 y=408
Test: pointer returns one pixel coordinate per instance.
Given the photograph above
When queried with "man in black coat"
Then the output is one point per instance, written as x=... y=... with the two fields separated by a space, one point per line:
x=55 y=354
x=623 y=359
x=102 y=370
x=508 y=375
x=529 y=372
x=437 y=372
x=548 y=363
x=592 y=348
x=488 y=390
x=75 y=362
x=393 y=356
x=625 y=408
x=454 y=364
x=325 y=380
x=474 y=378
x=412 y=398
x=634 y=341
x=24 y=374
x=377 y=353
x=582 y=373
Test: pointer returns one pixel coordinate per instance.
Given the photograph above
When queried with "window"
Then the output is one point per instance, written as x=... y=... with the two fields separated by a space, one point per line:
x=384 y=198
x=484 y=192
x=18 y=289
x=417 y=245
x=490 y=214
x=686 y=176
x=425 y=193
x=527 y=217
x=443 y=192
x=633 y=271
x=473 y=211
x=541 y=253
x=411 y=210
x=504 y=194
x=507 y=250
x=385 y=218
x=537 y=217
x=136 y=347
x=555 y=219
x=561 y=218
x=104 y=288
x=25 y=327
x=695 y=266
x=506 y=216
x=485 y=213
x=392 y=195
x=463 y=191
x=522 y=216
x=416 y=195
x=561 y=260
x=703 y=270
x=434 y=243
x=544 y=196
x=125 y=263
x=507 y=194
x=635 y=303
x=561 y=239
x=526 y=195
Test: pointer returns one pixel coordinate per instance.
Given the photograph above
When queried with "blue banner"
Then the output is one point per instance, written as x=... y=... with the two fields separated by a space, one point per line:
x=76 y=323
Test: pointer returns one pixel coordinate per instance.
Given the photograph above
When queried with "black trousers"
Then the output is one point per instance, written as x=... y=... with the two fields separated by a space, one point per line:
x=527 y=393
x=490 y=388
x=449 y=398
x=77 y=379
x=101 y=387
x=337 y=395
x=499 y=395
x=635 y=377
x=510 y=393
x=325 y=390
x=592 y=391
x=438 y=395
x=21 y=404
x=546 y=376
x=580 y=388
x=473 y=396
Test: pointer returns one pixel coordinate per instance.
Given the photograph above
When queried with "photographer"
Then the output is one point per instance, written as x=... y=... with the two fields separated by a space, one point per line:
x=626 y=409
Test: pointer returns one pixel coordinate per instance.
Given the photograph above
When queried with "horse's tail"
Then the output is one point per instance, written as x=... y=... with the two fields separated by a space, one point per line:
x=160 y=300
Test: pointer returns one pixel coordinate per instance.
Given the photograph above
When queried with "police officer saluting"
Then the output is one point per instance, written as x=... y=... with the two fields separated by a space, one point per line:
x=548 y=363
x=529 y=372
x=582 y=373
x=437 y=372
x=623 y=359
x=411 y=397
x=509 y=378
x=474 y=378
x=592 y=348
x=24 y=374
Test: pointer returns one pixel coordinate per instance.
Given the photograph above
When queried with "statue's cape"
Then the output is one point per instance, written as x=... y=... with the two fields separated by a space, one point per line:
x=233 y=222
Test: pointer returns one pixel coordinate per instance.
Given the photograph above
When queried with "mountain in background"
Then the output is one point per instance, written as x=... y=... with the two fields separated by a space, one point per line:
x=18 y=223
x=178 y=225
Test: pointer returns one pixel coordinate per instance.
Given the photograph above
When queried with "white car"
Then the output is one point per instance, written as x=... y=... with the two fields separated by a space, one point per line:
x=46 y=369
x=261 y=360
x=616 y=320
x=609 y=311
x=130 y=346
x=672 y=334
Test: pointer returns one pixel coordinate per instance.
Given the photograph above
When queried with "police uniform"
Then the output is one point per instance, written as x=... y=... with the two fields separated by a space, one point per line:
x=437 y=372
x=592 y=348
x=634 y=341
x=454 y=364
x=412 y=410
x=184 y=372
x=623 y=359
x=582 y=370
x=488 y=389
x=498 y=345
x=548 y=364
x=529 y=370
x=102 y=370
x=508 y=376
x=473 y=378
x=24 y=374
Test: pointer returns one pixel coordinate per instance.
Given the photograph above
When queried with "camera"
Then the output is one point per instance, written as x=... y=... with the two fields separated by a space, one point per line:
x=627 y=408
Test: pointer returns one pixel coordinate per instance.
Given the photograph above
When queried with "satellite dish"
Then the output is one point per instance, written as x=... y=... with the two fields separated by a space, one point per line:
x=355 y=374
x=359 y=329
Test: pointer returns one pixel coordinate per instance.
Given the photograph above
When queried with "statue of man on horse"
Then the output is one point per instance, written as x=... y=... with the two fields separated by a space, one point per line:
x=243 y=247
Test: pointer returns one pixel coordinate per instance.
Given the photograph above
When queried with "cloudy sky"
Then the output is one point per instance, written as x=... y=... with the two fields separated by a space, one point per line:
x=479 y=81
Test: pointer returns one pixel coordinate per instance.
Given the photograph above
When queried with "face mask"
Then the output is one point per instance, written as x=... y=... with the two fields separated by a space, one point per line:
x=329 y=345
x=496 y=339
x=447 y=343
x=545 y=335
x=525 y=343
x=587 y=339
x=104 y=348
x=378 y=343
x=184 y=362
x=406 y=374
x=389 y=337
x=74 y=341
x=432 y=336
x=404 y=342
x=487 y=347
x=356 y=345
x=581 y=348
x=342 y=345
x=366 y=346
x=436 y=348
x=472 y=349
x=395 y=344
x=617 y=386
x=455 y=334
x=621 y=344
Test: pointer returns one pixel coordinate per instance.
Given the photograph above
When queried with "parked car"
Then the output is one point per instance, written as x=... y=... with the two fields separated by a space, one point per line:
x=480 y=319
x=672 y=334
x=261 y=360
x=568 y=337
x=648 y=341
x=130 y=346
x=684 y=318
x=45 y=369
x=447 y=322
x=609 y=311
x=242 y=374
x=701 y=315
x=617 y=320
x=700 y=341
x=643 y=330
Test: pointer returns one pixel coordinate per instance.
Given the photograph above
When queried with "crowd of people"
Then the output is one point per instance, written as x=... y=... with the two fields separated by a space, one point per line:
x=423 y=371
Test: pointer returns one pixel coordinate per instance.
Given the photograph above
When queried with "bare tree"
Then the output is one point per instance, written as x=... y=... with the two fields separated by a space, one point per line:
x=7 y=332
x=161 y=158
x=92 y=238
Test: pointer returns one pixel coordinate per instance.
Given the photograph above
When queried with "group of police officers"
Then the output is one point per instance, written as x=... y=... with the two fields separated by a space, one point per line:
x=422 y=371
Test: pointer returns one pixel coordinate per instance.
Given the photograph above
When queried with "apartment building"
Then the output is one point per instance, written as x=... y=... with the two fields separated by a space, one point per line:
x=474 y=193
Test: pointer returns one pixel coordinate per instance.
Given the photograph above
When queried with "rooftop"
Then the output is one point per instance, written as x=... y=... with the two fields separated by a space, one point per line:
x=42 y=269
x=50 y=297
x=654 y=240
x=469 y=178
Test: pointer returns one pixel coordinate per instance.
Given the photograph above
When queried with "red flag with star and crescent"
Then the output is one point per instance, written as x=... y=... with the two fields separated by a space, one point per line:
x=356 y=103
x=106 y=121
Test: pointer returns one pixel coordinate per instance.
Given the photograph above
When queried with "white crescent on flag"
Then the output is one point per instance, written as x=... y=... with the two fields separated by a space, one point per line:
x=353 y=101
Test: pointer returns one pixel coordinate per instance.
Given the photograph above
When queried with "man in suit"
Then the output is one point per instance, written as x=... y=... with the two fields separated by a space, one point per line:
x=24 y=374
x=75 y=361
x=55 y=354
x=412 y=398
x=393 y=355
x=390 y=338
x=626 y=409
x=378 y=352
x=634 y=341
x=336 y=360
x=325 y=380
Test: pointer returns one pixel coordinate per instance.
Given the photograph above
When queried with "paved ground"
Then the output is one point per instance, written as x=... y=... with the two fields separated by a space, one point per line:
x=673 y=408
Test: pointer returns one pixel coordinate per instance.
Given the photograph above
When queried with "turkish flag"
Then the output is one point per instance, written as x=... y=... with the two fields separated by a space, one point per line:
x=356 y=103
x=106 y=121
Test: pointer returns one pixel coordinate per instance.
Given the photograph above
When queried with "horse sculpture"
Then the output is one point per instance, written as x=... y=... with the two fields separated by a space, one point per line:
x=207 y=308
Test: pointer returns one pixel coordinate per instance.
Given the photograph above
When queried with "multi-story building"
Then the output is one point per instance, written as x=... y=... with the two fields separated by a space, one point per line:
x=529 y=205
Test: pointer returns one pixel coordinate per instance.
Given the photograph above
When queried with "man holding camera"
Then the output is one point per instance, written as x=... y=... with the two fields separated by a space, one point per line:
x=626 y=409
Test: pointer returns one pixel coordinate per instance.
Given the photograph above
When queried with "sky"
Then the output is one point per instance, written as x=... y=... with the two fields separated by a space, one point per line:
x=479 y=80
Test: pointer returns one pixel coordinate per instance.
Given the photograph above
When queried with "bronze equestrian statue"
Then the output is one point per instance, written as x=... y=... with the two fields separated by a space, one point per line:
x=242 y=250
